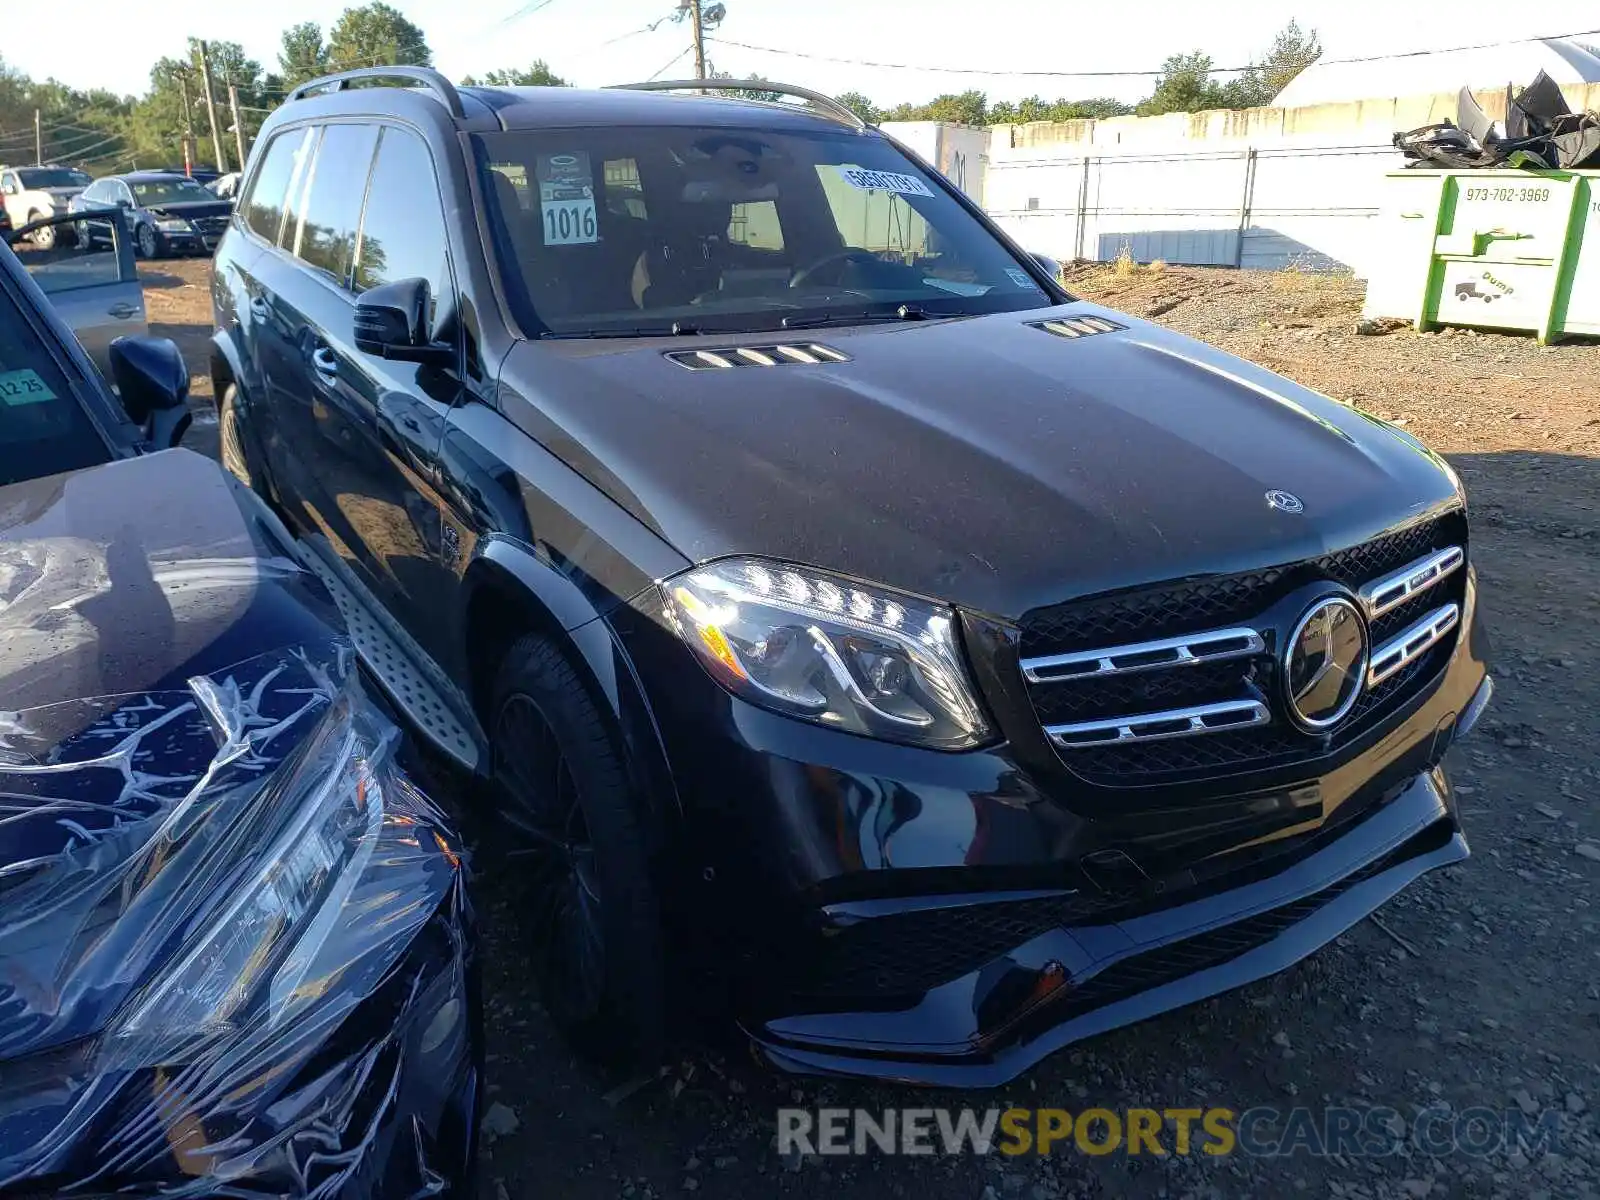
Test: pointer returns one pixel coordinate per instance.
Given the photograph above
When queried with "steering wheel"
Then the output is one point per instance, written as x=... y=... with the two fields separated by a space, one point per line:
x=848 y=256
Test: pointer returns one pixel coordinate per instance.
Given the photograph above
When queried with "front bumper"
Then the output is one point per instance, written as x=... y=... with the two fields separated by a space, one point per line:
x=988 y=1026
x=954 y=918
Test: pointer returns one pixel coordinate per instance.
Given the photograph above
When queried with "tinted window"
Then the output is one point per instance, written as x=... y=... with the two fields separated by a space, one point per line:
x=402 y=235
x=155 y=192
x=50 y=177
x=280 y=166
x=42 y=428
x=333 y=204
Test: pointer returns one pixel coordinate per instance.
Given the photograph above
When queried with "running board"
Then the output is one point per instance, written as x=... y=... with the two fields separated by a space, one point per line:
x=431 y=703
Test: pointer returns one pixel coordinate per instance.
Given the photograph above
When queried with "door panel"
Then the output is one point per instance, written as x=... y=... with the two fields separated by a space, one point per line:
x=95 y=289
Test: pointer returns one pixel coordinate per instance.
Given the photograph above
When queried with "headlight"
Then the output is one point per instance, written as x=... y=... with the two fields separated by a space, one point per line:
x=173 y=225
x=251 y=962
x=830 y=650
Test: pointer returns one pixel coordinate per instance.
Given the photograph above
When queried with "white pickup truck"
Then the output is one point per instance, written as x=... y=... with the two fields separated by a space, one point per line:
x=34 y=193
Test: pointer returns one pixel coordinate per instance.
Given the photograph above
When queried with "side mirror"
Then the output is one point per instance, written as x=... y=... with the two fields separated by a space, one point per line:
x=154 y=382
x=392 y=321
x=1050 y=266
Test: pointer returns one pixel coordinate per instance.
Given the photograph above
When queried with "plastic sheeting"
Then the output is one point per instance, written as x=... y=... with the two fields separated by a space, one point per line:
x=235 y=948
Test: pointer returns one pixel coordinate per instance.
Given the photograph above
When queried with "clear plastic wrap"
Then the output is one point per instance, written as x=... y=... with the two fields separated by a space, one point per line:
x=236 y=954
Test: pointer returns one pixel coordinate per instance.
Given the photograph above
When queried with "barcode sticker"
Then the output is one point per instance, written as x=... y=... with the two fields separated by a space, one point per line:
x=884 y=181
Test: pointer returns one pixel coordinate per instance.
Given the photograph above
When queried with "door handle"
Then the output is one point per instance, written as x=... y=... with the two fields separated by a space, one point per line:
x=122 y=310
x=323 y=360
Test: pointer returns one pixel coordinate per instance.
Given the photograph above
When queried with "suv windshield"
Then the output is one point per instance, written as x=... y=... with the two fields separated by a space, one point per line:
x=619 y=230
x=152 y=192
x=49 y=177
x=43 y=428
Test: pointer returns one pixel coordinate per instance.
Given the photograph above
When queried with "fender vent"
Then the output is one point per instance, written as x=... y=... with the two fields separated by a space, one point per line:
x=1077 y=327
x=723 y=359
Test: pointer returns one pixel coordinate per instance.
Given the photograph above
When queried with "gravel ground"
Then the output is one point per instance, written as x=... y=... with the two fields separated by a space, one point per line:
x=1481 y=987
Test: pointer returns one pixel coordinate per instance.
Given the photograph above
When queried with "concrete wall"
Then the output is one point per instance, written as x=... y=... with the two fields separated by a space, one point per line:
x=1260 y=187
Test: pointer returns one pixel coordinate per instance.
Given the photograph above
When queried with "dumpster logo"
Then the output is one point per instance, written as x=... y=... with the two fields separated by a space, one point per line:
x=1470 y=291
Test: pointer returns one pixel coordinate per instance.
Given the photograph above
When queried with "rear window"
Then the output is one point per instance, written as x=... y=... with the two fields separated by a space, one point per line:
x=332 y=216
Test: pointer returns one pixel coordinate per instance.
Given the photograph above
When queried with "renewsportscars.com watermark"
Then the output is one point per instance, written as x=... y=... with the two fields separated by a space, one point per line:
x=1256 y=1132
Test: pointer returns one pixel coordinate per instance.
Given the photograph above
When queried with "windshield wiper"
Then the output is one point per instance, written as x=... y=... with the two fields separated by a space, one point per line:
x=905 y=312
x=676 y=329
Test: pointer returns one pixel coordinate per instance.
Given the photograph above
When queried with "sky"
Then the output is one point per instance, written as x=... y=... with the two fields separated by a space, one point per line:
x=595 y=42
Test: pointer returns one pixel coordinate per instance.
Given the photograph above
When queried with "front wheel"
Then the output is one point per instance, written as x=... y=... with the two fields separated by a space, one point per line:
x=44 y=239
x=567 y=810
x=146 y=242
x=85 y=240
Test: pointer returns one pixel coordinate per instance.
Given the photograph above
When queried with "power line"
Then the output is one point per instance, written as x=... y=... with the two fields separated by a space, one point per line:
x=527 y=10
x=889 y=66
x=672 y=62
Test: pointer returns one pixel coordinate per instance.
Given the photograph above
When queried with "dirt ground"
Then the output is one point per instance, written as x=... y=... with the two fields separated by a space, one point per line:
x=1480 y=987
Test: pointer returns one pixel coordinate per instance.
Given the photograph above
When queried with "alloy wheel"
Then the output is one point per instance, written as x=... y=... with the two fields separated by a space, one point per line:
x=543 y=814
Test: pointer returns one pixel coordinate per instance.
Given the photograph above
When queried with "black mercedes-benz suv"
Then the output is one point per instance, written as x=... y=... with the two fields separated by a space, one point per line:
x=836 y=606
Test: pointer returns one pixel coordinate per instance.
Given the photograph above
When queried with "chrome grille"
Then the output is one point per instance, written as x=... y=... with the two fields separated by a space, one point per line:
x=1196 y=694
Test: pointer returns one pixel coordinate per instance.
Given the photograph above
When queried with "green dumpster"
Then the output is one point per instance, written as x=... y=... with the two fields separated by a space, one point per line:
x=1497 y=249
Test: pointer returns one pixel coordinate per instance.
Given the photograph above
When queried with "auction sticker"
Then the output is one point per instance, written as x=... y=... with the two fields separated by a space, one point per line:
x=566 y=199
x=884 y=181
x=23 y=387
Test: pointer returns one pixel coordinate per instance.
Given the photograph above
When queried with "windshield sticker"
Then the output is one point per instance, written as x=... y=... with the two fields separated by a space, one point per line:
x=566 y=199
x=23 y=387
x=1020 y=278
x=884 y=181
x=956 y=287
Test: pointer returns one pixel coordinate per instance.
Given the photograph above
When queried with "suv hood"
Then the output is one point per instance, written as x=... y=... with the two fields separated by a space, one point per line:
x=979 y=460
x=149 y=613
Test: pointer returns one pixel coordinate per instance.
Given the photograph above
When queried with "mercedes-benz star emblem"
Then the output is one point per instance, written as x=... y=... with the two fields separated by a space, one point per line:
x=1324 y=664
x=1286 y=502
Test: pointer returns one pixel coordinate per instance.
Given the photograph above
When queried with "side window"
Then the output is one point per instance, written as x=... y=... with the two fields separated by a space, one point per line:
x=338 y=186
x=91 y=193
x=121 y=193
x=403 y=234
x=8 y=183
x=755 y=224
x=281 y=166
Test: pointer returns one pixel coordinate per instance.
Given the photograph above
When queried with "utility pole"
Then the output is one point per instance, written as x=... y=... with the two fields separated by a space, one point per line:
x=211 y=108
x=238 y=125
x=188 y=126
x=699 y=39
x=38 y=140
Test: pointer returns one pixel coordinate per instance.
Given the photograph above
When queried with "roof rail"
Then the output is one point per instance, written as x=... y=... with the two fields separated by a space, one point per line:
x=827 y=104
x=426 y=76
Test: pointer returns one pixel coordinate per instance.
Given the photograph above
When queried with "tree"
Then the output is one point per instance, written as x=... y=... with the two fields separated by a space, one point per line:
x=1292 y=52
x=537 y=75
x=303 y=55
x=964 y=108
x=1036 y=108
x=860 y=105
x=748 y=93
x=1184 y=85
x=376 y=35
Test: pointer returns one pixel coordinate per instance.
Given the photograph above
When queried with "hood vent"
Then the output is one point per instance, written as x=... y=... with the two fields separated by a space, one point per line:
x=795 y=353
x=1077 y=327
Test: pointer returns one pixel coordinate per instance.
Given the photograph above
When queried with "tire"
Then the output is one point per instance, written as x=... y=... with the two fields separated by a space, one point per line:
x=44 y=239
x=85 y=238
x=234 y=441
x=146 y=243
x=565 y=806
